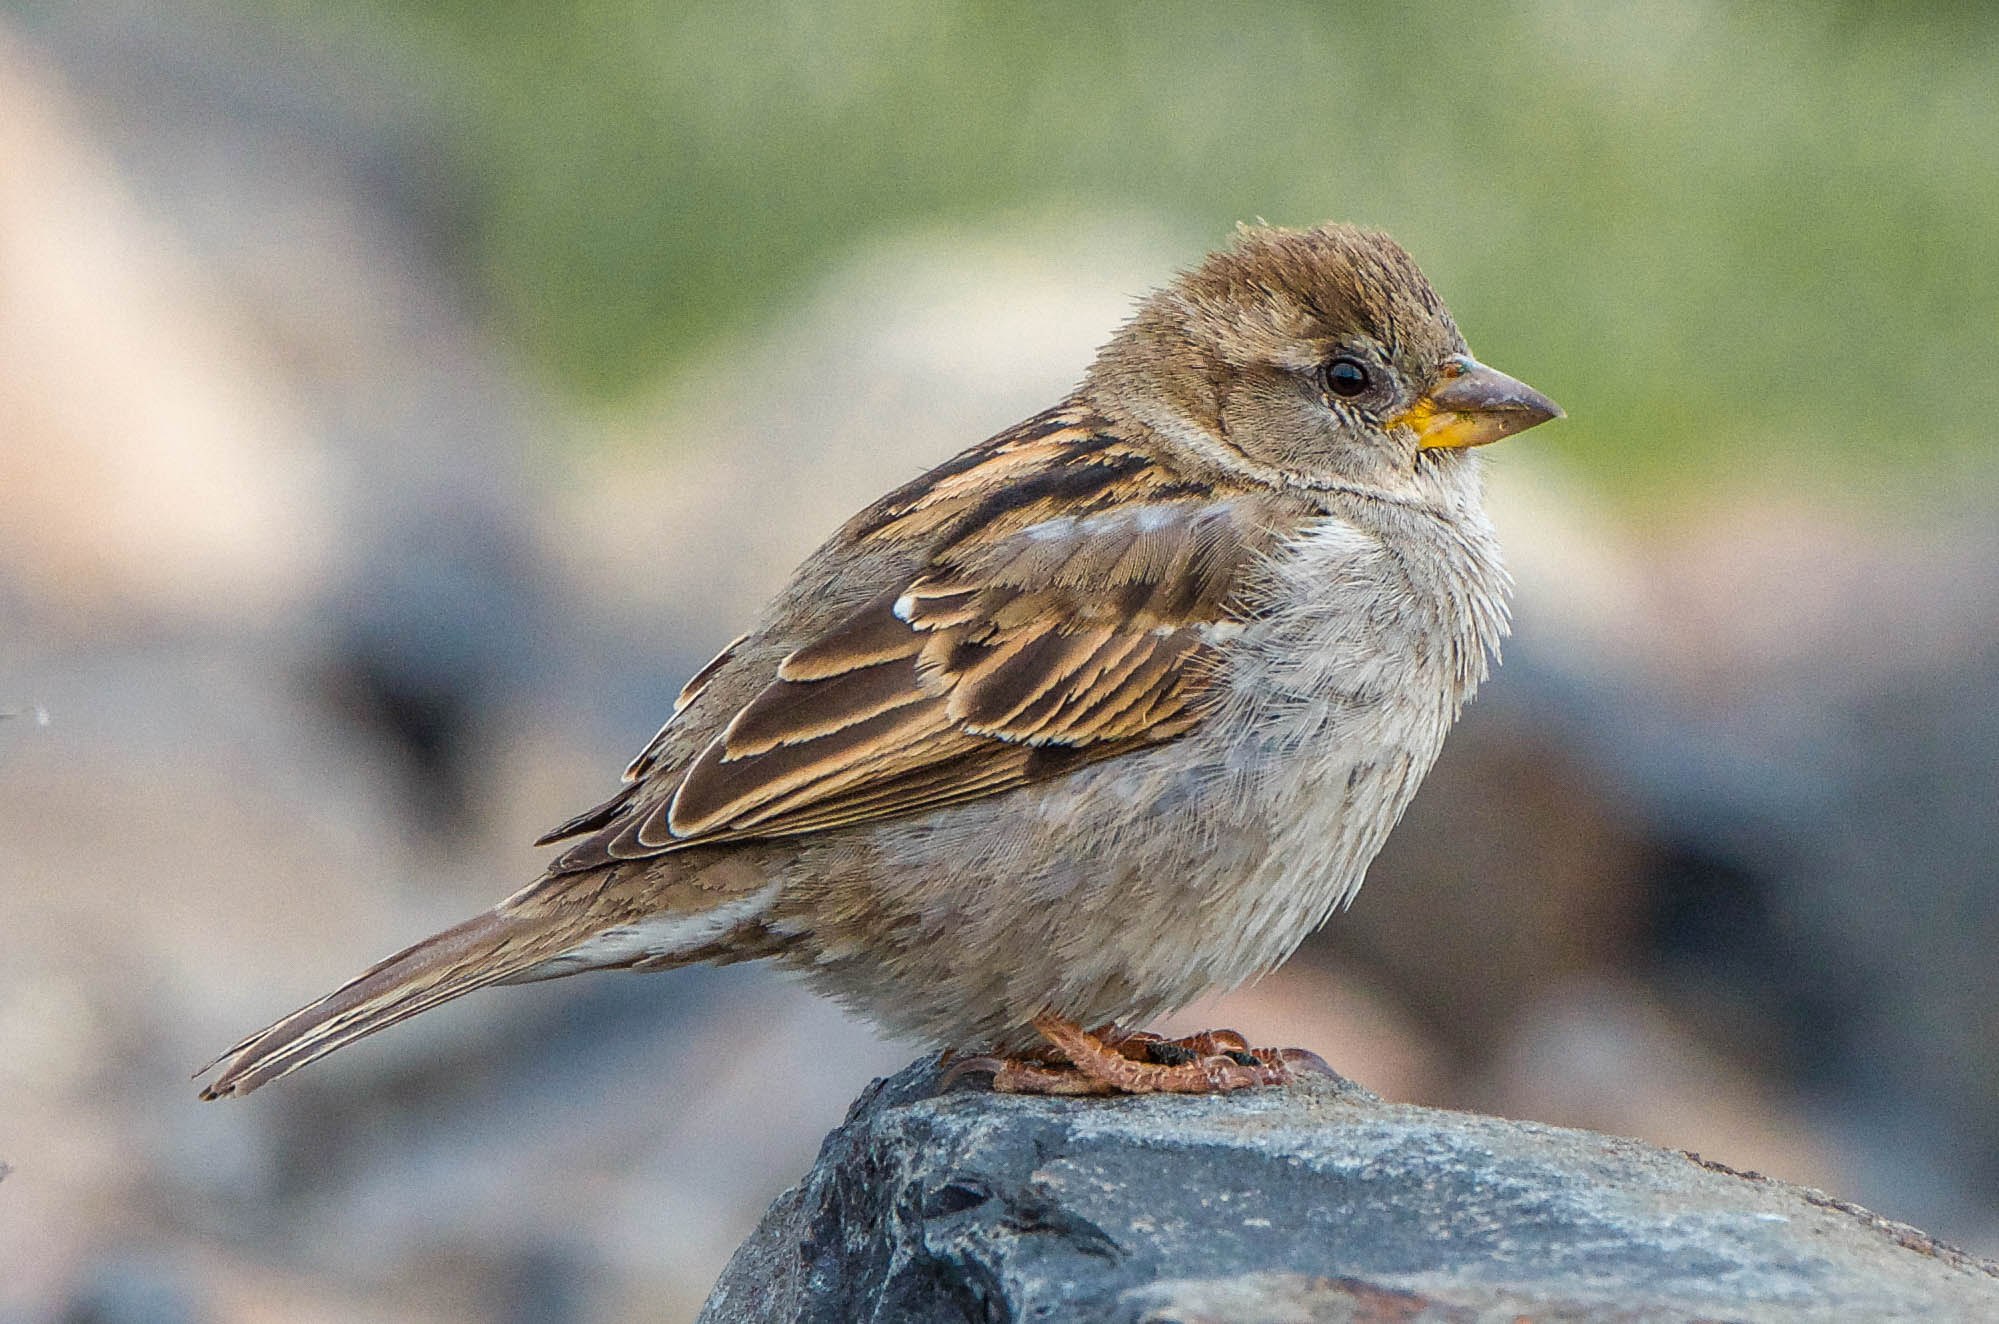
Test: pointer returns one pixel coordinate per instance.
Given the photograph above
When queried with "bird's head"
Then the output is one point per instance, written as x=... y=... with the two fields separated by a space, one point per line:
x=1314 y=358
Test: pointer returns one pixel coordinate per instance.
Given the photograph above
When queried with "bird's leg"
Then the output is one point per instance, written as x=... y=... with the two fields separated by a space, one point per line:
x=1214 y=1063
x=1040 y=1070
x=1036 y=1071
x=1114 y=1061
x=1144 y=1046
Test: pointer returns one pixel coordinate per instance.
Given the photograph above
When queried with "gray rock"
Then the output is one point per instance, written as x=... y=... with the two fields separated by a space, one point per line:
x=1316 y=1203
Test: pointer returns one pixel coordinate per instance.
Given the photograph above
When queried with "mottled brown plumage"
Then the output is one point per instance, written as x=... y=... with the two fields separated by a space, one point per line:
x=1101 y=714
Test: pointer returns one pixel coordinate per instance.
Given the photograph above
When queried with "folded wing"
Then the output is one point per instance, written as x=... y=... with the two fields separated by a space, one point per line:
x=1017 y=652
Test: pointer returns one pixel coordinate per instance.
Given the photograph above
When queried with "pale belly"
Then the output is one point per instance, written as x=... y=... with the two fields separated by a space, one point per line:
x=1120 y=893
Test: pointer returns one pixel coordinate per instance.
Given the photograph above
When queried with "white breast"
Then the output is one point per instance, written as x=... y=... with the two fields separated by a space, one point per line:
x=1369 y=641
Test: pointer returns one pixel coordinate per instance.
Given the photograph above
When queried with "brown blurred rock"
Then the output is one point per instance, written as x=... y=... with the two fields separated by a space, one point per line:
x=1513 y=869
x=150 y=459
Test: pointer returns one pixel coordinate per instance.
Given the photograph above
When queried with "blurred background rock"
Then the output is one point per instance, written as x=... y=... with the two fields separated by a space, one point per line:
x=397 y=402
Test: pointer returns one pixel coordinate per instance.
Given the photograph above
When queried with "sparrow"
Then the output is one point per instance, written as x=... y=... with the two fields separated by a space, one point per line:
x=1101 y=715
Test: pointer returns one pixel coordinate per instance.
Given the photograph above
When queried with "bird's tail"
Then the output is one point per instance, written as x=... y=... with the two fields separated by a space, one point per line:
x=488 y=949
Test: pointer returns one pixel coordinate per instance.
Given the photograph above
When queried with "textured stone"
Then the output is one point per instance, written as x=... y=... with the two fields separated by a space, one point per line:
x=1316 y=1203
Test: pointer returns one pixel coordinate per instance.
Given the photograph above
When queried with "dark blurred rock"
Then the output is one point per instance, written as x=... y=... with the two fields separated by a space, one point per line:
x=1512 y=871
x=134 y=1289
x=1315 y=1203
x=1825 y=896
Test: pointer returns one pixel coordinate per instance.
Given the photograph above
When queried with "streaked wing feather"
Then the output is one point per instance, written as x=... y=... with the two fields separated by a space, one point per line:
x=1057 y=617
x=795 y=712
x=871 y=635
x=724 y=793
x=593 y=819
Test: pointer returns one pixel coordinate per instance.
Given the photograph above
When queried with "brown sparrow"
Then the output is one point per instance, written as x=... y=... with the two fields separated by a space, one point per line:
x=1103 y=714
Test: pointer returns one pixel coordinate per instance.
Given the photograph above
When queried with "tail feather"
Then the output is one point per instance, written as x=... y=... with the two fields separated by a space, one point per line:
x=487 y=949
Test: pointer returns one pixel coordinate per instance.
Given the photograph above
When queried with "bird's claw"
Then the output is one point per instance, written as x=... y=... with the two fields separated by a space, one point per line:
x=1114 y=1061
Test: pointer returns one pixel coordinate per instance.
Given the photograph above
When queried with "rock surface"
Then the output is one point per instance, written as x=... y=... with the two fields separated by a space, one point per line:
x=1316 y=1203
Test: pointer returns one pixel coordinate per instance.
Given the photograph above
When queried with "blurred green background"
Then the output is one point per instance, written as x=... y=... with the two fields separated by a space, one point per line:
x=1727 y=238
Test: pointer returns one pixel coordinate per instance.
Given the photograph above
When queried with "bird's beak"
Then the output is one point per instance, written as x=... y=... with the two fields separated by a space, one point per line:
x=1472 y=404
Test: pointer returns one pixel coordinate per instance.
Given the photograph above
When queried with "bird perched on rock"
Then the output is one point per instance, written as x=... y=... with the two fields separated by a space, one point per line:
x=1103 y=714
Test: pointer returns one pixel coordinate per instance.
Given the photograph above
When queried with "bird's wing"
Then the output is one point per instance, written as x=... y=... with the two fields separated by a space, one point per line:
x=1067 y=617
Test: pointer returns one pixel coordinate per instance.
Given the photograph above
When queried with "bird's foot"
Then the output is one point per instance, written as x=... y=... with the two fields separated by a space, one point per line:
x=1036 y=1071
x=1114 y=1061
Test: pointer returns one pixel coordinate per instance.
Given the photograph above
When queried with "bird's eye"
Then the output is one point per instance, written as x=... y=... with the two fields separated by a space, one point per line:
x=1346 y=378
